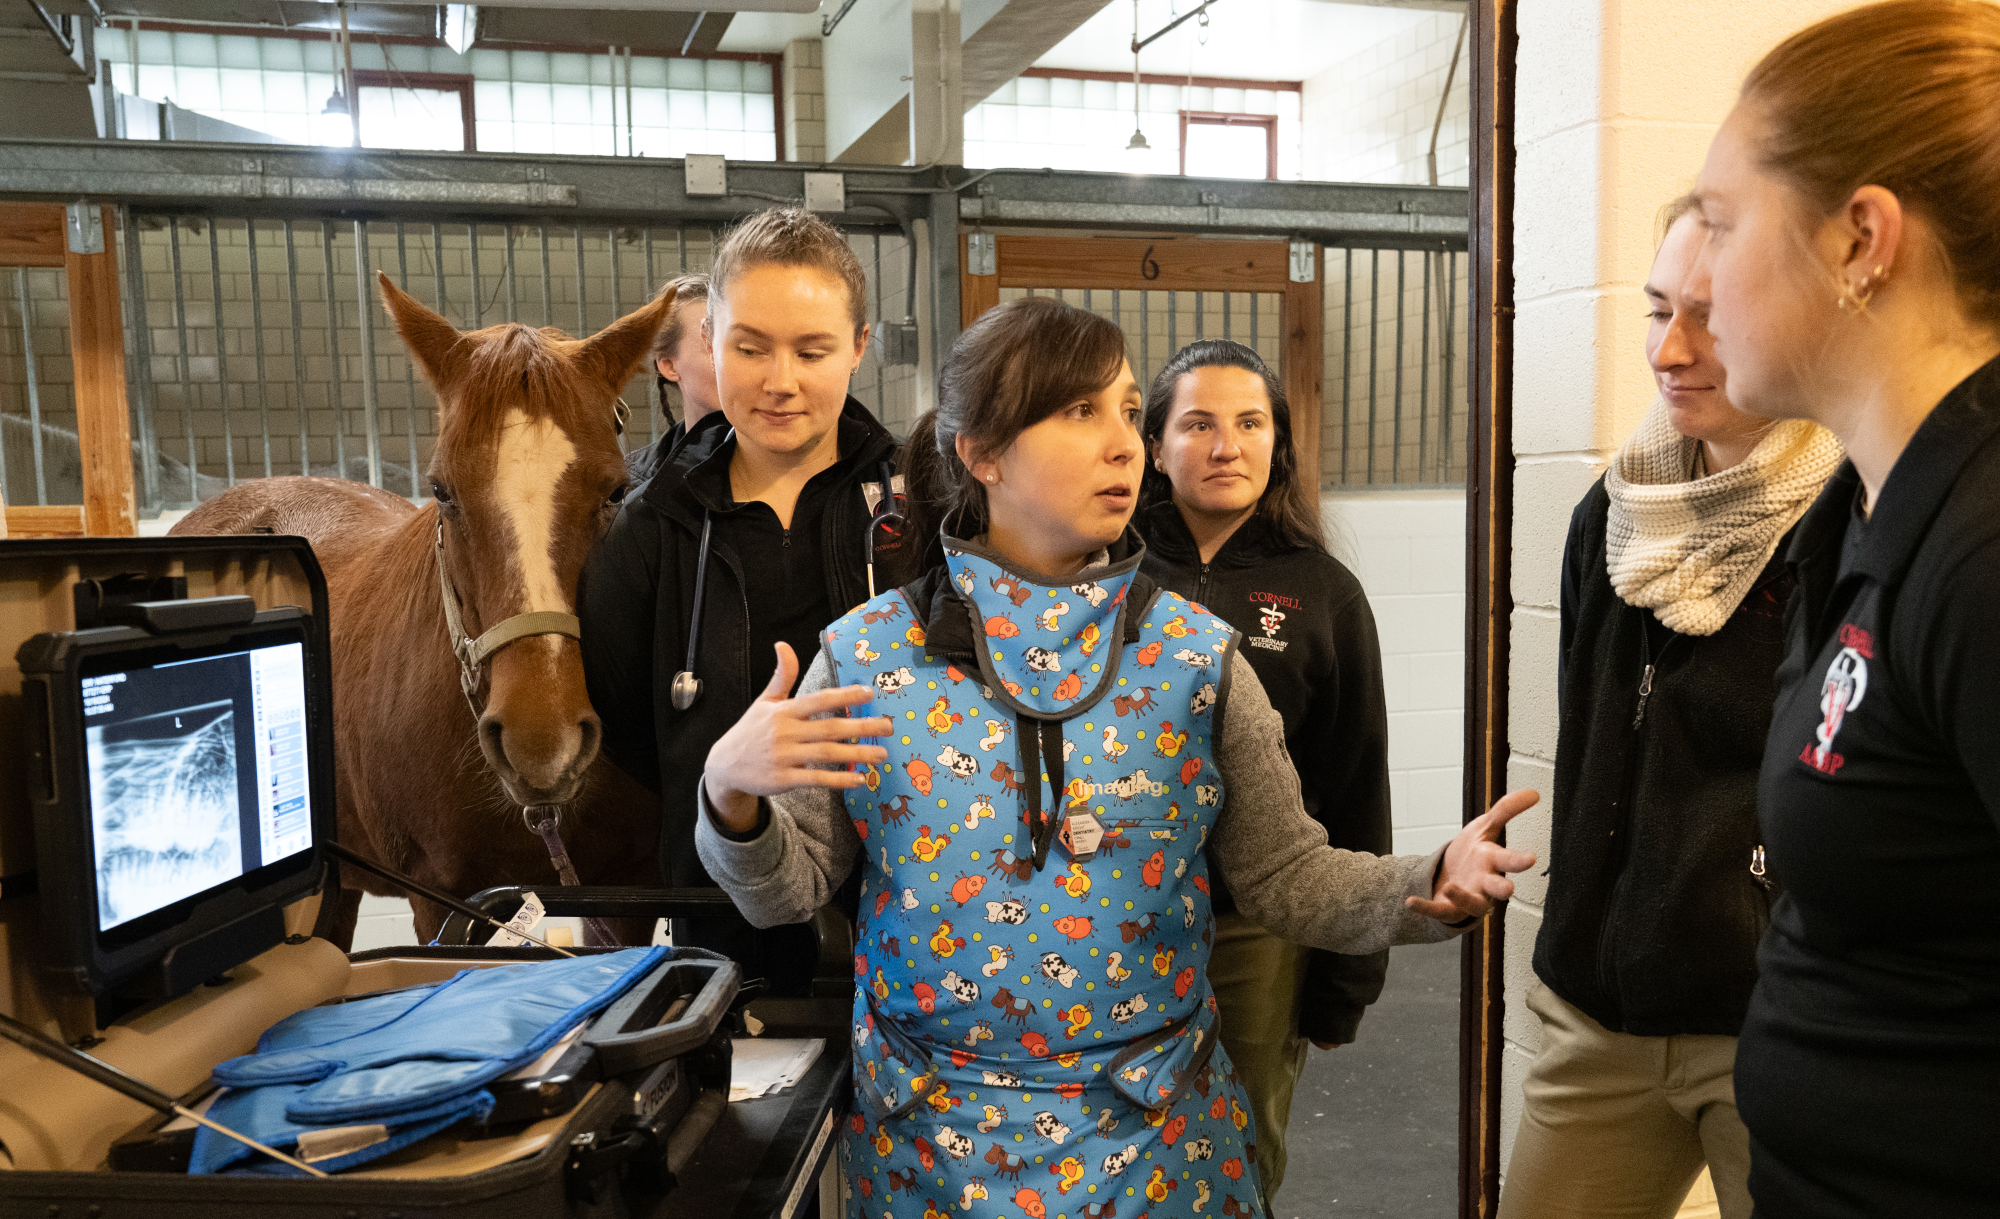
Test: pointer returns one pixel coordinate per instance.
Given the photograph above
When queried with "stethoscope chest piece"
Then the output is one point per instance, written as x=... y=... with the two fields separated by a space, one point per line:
x=686 y=689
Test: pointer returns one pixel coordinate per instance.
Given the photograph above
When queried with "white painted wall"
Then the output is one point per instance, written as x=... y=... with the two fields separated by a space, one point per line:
x=1368 y=117
x=1408 y=549
x=1616 y=102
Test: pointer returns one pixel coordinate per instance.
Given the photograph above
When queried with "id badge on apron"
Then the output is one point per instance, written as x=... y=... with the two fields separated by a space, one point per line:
x=1081 y=834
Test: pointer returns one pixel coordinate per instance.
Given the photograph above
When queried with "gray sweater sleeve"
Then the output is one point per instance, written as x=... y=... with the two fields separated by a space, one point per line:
x=1273 y=856
x=806 y=849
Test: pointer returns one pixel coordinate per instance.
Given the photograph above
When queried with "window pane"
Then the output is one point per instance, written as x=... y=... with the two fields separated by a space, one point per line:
x=412 y=118
x=1216 y=151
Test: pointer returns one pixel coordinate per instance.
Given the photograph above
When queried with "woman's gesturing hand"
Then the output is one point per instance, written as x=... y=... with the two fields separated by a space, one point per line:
x=777 y=745
x=1474 y=873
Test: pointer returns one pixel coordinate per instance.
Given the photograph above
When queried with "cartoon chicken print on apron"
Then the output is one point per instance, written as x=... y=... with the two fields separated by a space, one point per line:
x=1033 y=1027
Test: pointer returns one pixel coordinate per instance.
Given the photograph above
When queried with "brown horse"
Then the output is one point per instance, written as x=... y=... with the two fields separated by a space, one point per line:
x=526 y=474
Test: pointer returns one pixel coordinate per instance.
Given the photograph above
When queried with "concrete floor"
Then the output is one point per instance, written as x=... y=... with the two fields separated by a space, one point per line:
x=1375 y=1124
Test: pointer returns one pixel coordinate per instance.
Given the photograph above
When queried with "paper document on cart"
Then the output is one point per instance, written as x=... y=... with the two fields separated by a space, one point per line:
x=761 y=1066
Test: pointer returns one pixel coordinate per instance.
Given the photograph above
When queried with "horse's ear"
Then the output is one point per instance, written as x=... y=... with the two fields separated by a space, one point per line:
x=435 y=344
x=611 y=354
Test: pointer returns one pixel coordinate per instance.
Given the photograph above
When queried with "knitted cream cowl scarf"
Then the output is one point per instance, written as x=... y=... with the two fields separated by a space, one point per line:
x=1690 y=549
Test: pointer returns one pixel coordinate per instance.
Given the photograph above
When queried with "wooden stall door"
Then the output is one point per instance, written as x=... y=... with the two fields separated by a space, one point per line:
x=34 y=235
x=1176 y=264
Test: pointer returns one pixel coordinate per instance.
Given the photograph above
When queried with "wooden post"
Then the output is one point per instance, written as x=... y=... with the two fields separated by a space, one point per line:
x=1302 y=363
x=103 y=422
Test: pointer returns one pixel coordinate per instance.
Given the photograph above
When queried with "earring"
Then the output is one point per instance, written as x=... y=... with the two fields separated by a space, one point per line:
x=1862 y=292
x=990 y=478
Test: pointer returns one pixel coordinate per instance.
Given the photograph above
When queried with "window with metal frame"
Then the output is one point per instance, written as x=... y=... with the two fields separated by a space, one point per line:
x=1219 y=145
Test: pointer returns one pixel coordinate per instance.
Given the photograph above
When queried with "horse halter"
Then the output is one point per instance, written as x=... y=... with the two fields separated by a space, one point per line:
x=473 y=653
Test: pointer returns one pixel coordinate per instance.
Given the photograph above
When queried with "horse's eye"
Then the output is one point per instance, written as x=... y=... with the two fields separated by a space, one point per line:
x=439 y=493
x=618 y=496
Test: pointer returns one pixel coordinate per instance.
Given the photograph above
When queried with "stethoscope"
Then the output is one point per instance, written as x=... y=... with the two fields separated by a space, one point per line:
x=885 y=517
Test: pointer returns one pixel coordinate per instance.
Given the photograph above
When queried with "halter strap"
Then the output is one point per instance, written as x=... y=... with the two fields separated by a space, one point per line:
x=472 y=654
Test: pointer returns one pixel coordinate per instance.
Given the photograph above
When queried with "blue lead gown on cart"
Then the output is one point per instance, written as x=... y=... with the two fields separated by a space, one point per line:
x=1040 y=1041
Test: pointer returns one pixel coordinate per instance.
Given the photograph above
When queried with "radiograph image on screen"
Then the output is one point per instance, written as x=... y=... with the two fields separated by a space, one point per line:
x=164 y=797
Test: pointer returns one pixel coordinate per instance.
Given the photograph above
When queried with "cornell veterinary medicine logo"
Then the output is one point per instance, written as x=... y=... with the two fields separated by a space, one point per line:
x=1270 y=617
x=1845 y=686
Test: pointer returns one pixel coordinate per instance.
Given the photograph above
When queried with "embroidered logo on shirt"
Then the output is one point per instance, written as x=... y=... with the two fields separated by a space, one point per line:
x=1271 y=618
x=1845 y=686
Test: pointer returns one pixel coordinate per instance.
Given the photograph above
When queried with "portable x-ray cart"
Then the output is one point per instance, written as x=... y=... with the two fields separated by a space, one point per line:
x=166 y=797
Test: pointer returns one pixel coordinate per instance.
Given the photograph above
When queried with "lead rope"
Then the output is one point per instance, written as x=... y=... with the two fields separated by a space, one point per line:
x=546 y=821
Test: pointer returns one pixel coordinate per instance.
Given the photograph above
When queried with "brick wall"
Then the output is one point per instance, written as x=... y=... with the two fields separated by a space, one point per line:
x=1408 y=549
x=1368 y=118
x=803 y=81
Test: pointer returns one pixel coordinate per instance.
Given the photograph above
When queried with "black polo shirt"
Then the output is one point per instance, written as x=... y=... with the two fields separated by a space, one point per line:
x=1869 y=1066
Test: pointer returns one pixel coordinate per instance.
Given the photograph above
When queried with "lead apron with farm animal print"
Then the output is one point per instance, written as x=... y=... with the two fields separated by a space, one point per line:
x=1040 y=1041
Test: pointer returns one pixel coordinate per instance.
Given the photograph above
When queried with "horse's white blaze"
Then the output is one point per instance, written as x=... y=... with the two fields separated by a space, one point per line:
x=533 y=455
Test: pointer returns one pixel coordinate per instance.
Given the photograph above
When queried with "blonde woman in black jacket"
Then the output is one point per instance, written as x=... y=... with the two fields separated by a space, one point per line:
x=1229 y=525
x=1673 y=608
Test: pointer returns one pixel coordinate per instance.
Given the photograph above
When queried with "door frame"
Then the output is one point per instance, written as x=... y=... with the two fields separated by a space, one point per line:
x=1173 y=262
x=36 y=235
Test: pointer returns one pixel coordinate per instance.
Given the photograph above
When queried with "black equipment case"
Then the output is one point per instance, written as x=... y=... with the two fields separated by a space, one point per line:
x=599 y=1129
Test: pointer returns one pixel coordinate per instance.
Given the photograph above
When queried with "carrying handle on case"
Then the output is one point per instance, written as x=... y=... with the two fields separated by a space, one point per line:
x=619 y=1052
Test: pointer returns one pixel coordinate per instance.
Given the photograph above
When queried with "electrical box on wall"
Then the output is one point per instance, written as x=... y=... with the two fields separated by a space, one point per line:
x=899 y=342
x=707 y=175
x=826 y=192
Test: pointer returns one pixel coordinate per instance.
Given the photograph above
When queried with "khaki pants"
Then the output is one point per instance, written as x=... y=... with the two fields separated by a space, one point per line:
x=1614 y=1125
x=1256 y=977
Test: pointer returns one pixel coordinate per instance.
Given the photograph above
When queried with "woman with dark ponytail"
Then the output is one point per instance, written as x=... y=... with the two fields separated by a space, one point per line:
x=1230 y=525
x=1061 y=759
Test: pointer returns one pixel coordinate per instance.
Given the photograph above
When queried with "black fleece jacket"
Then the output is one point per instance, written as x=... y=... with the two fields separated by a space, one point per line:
x=638 y=596
x=1310 y=636
x=1653 y=912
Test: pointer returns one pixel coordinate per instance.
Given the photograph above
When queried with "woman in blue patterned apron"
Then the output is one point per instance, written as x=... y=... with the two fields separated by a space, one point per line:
x=1067 y=752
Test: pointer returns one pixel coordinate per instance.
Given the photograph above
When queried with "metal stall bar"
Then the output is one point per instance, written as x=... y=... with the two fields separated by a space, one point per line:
x=409 y=364
x=1424 y=380
x=437 y=266
x=513 y=305
x=141 y=370
x=180 y=326
x=548 y=310
x=878 y=322
x=652 y=378
x=257 y=334
x=1374 y=348
x=1346 y=359
x=298 y=352
x=1450 y=333
x=611 y=244
x=335 y=399
x=1396 y=429
x=221 y=355
x=364 y=303
x=34 y=389
x=477 y=318
x=582 y=327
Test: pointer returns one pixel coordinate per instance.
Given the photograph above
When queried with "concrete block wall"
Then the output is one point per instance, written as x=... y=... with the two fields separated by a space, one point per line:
x=803 y=83
x=1616 y=103
x=1408 y=550
x=1368 y=118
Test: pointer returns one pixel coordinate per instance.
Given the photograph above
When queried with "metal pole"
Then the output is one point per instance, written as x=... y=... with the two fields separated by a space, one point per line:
x=1199 y=307
x=333 y=393
x=364 y=303
x=1374 y=348
x=1396 y=428
x=1173 y=322
x=513 y=305
x=582 y=327
x=659 y=401
x=1424 y=380
x=478 y=290
x=1145 y=337
x=257 y=330
x=221 y=354
x=138 y=315
x=298 y=352
x=180 y=325
x=409 y=365
x=437 y=264
x=1256 y=311
x=1227 y=331
x=1450 y=354
x=1346 y=356
x=611 y=244
x=548 y=311
x=34 y=388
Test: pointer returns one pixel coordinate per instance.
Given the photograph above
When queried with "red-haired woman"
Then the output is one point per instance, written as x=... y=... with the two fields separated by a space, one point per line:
x=1852 y=198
